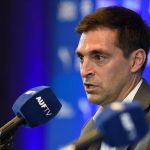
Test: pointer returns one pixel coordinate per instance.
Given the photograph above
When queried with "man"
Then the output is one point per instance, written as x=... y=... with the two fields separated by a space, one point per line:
x=113 y=50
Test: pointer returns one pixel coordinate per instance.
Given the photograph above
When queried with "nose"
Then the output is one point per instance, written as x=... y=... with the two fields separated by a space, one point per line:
x=86 y=68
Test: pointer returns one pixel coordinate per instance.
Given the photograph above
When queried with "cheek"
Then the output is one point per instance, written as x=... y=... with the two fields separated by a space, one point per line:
x=115 y=73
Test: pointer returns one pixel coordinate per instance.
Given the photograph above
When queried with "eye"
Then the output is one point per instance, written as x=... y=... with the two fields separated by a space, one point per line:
x=80 y=57
x=99 y=57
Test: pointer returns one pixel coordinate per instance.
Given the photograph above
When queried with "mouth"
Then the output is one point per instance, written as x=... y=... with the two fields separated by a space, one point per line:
x=90 y=88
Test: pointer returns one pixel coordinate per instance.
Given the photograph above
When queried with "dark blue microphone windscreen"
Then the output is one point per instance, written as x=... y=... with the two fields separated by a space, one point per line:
x=123 y=126
x=37 y=106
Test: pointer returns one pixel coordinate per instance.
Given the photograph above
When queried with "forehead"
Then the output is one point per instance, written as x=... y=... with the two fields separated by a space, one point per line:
x=102 y=38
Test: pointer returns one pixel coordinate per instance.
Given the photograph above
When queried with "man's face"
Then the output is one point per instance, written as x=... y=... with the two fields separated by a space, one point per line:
x=105 y=71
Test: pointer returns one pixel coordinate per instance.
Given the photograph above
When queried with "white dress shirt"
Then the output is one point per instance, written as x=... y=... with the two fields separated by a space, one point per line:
x=128 y=99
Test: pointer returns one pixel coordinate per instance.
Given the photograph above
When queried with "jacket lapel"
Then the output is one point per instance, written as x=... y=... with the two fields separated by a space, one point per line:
x=143 y=96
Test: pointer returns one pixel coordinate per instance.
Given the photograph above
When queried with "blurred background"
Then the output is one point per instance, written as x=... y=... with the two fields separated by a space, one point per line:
x=37 y=47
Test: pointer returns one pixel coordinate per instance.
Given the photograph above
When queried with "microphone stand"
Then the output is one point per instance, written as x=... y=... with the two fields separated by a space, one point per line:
x=7 y=144
x=7 y=131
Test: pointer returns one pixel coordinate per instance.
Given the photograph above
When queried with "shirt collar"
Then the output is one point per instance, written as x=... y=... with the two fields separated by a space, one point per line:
x=131 y=95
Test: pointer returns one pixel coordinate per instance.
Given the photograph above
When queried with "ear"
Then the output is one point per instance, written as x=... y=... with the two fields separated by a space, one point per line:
x=137 y=59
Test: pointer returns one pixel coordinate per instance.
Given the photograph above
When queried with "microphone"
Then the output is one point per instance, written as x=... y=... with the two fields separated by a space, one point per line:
x=34 y=107
x=119 y=124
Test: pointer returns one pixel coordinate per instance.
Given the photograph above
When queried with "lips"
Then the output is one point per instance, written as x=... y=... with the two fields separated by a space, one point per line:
x=90 y=88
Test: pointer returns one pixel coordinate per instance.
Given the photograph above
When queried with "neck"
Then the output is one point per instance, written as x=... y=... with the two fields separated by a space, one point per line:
x=132 y=84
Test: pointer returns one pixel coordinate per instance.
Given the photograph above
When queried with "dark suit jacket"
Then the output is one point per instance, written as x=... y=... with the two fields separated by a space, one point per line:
x=143 y=96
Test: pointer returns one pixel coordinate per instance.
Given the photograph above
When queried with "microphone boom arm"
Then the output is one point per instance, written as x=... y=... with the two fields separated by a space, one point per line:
x=8 y=129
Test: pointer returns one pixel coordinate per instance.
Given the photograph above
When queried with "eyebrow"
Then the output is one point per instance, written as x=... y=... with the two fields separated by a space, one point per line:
x=78 y=53
x=94 y=51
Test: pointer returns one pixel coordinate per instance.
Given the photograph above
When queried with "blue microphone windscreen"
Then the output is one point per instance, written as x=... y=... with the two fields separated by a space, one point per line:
x=123 y=126
x=37 y=106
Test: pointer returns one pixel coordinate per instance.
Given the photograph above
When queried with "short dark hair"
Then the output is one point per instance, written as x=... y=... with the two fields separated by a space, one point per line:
x=132 y=31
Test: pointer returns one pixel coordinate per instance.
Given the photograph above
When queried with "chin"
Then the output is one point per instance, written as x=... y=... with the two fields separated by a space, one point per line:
x=94 y=99
x=99 y=99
